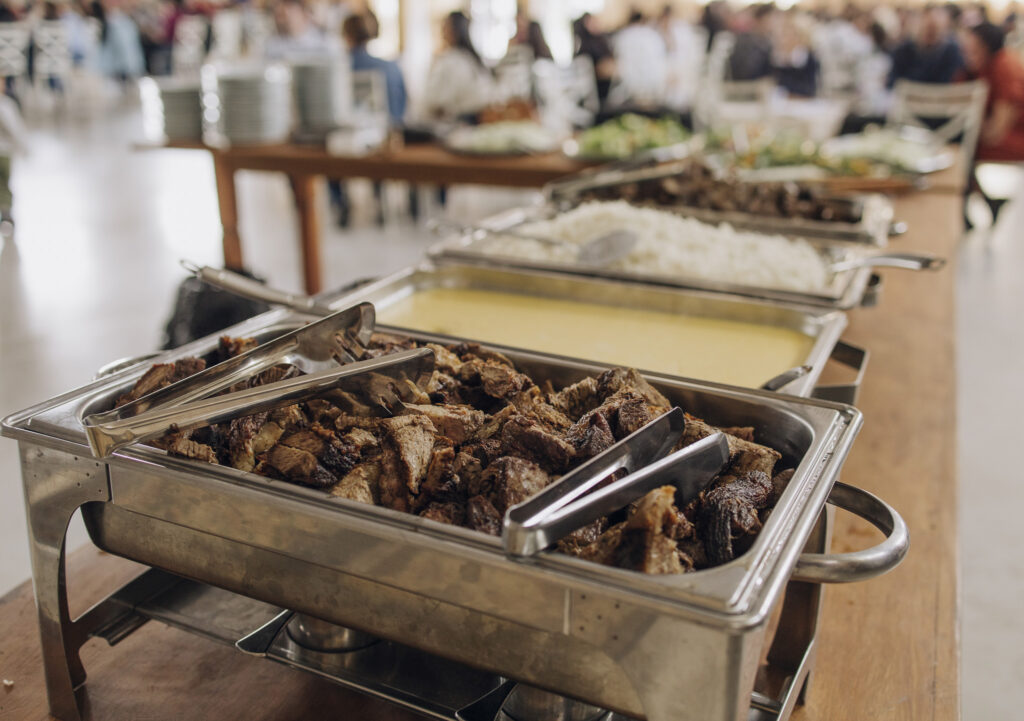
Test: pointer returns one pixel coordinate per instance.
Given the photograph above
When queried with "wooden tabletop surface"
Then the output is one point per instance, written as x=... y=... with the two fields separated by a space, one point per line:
x=416 y=163
x=888 y=648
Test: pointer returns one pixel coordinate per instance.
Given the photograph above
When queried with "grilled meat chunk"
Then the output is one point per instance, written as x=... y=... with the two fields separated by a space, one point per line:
x=242 y=433
x=730 y=511
x=526 y=438
x=575 y=542
x=509 y=481
x=300 y=466
x=407 y=445
x=616 y=379
x=744 y=455
x=458 y=423
x=646 y=541
x=161 y=375
x=481 y=515
x=577 y=399
x=359 y=484
x=590 y=435
x=180 y=444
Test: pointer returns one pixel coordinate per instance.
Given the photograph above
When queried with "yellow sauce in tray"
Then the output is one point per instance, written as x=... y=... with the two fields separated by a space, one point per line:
x=744 y=354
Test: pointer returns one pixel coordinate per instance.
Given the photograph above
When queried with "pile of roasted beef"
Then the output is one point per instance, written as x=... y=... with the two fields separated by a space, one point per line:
x=482 y=438
x=699 y=187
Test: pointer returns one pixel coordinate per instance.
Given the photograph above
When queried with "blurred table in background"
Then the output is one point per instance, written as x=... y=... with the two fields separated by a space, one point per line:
x=423 y=163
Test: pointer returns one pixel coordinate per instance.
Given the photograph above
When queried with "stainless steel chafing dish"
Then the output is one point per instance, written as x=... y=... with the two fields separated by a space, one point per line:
x=847 y=288
x=875 y=211
x=824 y=327
x=661 y=648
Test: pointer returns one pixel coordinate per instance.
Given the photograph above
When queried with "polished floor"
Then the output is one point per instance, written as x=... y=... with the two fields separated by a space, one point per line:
x=92 y=272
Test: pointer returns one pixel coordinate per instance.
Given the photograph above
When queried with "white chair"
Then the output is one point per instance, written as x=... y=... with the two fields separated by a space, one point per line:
x=14 y=39
x=958 y=108
x=189 y=44
x=370 y=96
x=52 y=57
x=227 y=35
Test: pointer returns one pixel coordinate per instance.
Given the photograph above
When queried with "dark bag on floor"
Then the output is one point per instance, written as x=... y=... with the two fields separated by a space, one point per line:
x=202 y=309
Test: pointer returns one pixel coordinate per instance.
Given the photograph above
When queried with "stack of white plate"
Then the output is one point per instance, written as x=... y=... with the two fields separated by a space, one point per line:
x=246 y=106
x=172 y=108
x=321 y=89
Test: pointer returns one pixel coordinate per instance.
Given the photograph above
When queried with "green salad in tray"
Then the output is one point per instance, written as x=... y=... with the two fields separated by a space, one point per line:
x=627 y=135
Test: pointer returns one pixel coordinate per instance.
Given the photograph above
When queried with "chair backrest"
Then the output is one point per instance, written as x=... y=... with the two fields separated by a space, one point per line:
x=227 y=34
x=189 y=48
x=14 y=39
x=52 y=51
x=956 y=108
x=370 y=94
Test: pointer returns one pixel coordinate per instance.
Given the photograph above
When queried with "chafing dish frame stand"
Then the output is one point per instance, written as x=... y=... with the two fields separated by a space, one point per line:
x=57 y=484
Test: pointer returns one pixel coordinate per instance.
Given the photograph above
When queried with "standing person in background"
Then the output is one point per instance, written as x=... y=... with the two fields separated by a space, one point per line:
x=121 y=47
x=932 y=56
x=685 y=57
x=752 y=56
x=458 y=85
x=1002 y=130
x=796 y=67
x=641 y=60
x=530 y=35
x=356 y=32
x=715 y=19
x=592 y=43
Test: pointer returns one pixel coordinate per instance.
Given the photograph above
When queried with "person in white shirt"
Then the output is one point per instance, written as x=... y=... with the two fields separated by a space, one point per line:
x=458 y=84
x=685 y=47
x=642 y=62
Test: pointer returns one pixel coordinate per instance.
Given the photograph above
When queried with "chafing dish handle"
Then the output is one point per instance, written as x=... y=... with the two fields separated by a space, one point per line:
x=858 y=565
x=853 y=357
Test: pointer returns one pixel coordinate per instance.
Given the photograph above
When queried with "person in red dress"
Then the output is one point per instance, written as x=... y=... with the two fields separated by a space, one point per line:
x=1002 y=130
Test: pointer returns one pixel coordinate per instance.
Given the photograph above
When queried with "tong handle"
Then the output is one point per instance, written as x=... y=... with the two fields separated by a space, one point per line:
x=356 y=323
x=105 y=437
x=245 y=287
x=690 y=469
x=526 y=530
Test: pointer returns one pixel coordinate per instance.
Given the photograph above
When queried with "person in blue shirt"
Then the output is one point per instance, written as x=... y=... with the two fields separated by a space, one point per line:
x=357 y=35
x=356 y=32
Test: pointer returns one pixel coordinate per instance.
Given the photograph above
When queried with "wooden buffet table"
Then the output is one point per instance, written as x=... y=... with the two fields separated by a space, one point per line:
x=888 y=648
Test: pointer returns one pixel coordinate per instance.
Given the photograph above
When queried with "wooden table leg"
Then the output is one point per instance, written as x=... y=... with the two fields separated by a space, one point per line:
x=304 y=188
x=224 y=174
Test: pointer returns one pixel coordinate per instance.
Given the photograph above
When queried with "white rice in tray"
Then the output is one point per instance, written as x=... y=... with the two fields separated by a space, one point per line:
x=668 y=244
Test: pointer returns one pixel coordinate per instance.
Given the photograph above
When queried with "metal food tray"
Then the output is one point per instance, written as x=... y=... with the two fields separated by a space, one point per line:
x=823 y=326
x=873 y=228
x=848 y=289
x=665 y=648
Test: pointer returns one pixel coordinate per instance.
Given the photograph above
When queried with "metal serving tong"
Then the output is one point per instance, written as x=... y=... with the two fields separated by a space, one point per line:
x=323 y=345
x=579 y=497
x=382 y=384
x=315 y=348
x=248 y=288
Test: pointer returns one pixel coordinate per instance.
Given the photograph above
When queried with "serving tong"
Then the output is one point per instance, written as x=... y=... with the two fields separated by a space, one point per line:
x=585 y=495
x=317 y=349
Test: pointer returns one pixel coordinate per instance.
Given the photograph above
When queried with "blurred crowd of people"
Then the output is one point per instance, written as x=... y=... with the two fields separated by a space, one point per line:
x=652 y=62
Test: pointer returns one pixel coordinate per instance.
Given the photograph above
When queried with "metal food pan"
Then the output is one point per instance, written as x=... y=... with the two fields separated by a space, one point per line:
x=656 y=647
x=822 y=326
x=874 y=211
x=848 y=288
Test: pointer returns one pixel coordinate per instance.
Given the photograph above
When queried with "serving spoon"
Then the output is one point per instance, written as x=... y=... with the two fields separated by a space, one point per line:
x=599 y=250
x=907 y=261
